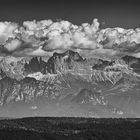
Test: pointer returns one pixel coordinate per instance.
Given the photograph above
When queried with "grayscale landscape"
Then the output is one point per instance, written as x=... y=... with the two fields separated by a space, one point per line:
x=69 y=70
x=58 y=74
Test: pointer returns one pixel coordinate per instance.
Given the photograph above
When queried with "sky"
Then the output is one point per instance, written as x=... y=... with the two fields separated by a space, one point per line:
x=124 y=13
x=111 y=27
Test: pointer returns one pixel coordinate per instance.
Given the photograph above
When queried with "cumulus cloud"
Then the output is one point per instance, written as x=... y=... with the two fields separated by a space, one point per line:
x=12 y=44
x=44 y=37
x=7 y=31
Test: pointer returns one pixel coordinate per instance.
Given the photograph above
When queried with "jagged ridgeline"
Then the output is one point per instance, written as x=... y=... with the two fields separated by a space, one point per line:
x=70 y=85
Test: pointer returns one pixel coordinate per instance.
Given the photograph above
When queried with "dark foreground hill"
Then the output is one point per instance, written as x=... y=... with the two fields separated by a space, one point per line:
x=42 y=128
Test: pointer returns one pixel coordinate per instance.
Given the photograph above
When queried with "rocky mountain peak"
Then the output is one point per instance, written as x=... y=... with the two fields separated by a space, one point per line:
x=67 y=76
x=63 y=61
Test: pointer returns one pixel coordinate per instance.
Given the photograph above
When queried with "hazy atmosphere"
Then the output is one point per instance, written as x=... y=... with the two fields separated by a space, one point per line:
x=69 y=58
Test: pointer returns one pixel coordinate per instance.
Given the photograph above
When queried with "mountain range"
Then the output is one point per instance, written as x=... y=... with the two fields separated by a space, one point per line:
x=67 y=84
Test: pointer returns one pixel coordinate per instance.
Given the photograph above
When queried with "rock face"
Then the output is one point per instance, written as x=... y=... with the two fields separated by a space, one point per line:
x=69 y=85
x=35 y=65
x=64 y=61
x=133 y=63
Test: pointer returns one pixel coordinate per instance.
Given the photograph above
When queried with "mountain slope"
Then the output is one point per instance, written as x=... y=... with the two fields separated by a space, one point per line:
x=69 y=85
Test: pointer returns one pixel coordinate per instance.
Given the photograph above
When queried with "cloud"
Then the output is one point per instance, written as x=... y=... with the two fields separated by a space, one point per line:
x=7 y=31
x=42 y=38
x=12 y=44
